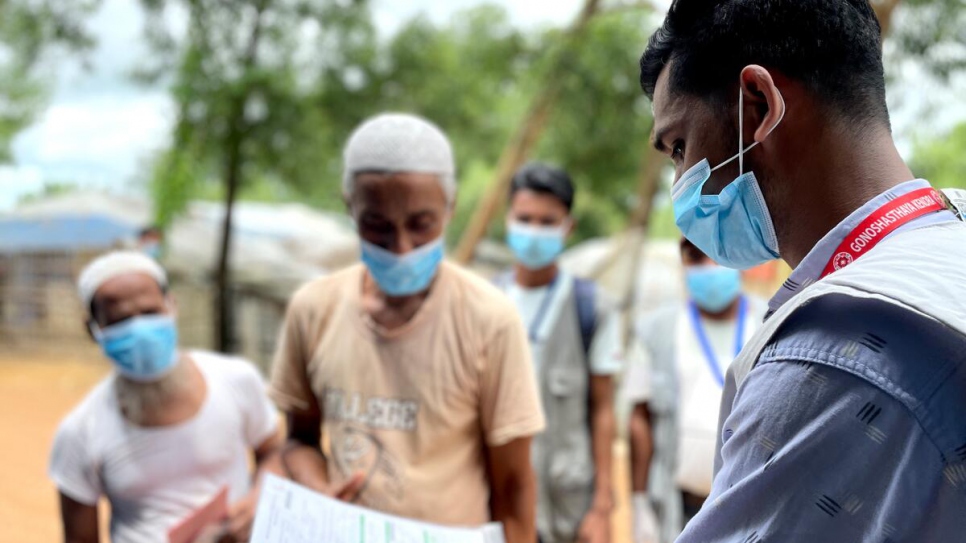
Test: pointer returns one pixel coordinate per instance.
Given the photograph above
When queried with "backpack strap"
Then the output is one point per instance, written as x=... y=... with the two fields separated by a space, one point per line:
x=585 y=293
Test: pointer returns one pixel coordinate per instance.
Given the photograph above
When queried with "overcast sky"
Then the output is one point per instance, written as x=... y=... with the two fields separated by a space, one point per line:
x=100 y=129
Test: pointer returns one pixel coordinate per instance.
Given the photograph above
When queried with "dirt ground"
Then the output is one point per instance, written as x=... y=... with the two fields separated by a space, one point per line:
x=36 y=391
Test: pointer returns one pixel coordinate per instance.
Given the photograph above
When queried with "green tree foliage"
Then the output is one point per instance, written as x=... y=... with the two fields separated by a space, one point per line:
x=601 y=125
x=28 y=30
x=463 y=76
x=469 y=76
x=930 y=32
x=239 y=79
x=50 y=189
x=942 y=160
x=474 y=76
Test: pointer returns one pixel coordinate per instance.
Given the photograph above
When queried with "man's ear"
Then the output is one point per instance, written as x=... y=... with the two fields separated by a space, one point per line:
x=171 y=301
x=573 y=226
x=764 y=103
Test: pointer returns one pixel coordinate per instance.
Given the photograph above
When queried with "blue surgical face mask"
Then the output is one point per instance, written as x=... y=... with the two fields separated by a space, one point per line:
x=536 y=247
x=713 y=288
x=406 y=274
x=152 y=249
x=142 y=348
x=733 y=227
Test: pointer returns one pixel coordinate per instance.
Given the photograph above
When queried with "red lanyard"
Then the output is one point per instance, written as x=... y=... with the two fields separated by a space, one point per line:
x=881 y=223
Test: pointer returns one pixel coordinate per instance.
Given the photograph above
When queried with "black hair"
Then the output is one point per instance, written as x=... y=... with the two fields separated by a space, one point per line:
x=690 y=250
x=833 y=47
x=545 y=179
x=149 y=231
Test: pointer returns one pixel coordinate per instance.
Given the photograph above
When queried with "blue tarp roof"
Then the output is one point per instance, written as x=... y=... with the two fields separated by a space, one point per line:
x=90 y=232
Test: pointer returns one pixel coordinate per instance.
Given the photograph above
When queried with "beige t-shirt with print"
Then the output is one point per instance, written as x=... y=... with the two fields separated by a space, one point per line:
x=415 y=408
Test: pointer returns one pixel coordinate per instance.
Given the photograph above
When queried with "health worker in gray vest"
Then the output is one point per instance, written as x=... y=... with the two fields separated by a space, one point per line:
x=842 y=420
x=674 y=387
x=575 y=340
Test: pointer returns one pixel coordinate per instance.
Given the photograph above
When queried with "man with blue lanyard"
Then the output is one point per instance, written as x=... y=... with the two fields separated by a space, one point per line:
x=674 y=387
x=576 y=346
x=842 y=419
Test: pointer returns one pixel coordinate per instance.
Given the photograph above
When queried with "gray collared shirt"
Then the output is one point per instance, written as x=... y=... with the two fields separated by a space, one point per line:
x=810 y=269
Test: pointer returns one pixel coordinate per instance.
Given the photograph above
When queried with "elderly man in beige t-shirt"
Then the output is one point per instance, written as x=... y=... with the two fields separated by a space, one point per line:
x=413 y=374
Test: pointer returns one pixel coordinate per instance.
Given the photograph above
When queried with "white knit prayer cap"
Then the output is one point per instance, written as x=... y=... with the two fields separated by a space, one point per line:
x=399 y=142
x=114 y=264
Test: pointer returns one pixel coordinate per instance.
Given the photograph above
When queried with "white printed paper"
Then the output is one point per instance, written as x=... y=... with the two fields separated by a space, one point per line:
x=289 y=513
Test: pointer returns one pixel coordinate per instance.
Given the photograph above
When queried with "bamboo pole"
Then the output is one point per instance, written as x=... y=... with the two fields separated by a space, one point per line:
x=524 y=140
x=884 y=10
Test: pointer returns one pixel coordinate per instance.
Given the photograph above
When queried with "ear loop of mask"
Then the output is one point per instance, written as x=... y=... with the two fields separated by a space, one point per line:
x=741 y=134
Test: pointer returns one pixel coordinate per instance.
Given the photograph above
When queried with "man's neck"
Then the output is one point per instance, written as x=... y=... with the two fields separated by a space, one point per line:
x=528 y=278
x=833 y=186
x=175 y=398
x=729 y=313
x=390 y=312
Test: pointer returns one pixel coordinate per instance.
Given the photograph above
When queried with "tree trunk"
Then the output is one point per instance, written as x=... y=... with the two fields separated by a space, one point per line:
x=226 y=324
x=522 y=143
x=234 y=142
x=648 y=182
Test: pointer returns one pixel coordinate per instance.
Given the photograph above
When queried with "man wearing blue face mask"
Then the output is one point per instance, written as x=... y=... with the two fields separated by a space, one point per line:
x=150 y=241
x=168 y=429
x=576 y=345
x=412 y=373
x=842 y=419
x=674 y=387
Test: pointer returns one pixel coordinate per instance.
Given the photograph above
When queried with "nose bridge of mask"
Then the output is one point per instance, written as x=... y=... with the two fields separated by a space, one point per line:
x=540 y=230
x=696 y=175
x=389 y=258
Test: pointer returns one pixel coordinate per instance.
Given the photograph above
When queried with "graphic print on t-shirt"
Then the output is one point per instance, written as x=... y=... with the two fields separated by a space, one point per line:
x=356 y=447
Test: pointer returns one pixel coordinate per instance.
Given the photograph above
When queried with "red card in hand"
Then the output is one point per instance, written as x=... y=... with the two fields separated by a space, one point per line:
x=214 y=512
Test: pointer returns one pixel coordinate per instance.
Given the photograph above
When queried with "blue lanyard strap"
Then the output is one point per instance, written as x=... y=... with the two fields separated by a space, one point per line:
x=709 y=355
x=542 y=310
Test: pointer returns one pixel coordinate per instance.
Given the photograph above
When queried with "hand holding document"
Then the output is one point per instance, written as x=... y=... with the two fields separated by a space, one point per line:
x=214 y=512
x=289 y=513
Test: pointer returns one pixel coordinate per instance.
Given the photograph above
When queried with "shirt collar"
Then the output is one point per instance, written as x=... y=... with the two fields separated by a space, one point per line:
x=810 y=269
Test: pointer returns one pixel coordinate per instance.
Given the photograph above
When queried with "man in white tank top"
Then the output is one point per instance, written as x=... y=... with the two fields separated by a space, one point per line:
x=168 y=429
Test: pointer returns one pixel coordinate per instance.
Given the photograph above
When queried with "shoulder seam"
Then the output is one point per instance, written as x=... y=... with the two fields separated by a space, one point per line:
x=819 y=356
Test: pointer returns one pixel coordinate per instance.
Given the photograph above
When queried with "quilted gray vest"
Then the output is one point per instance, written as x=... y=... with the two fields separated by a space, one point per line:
x=562 y=455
